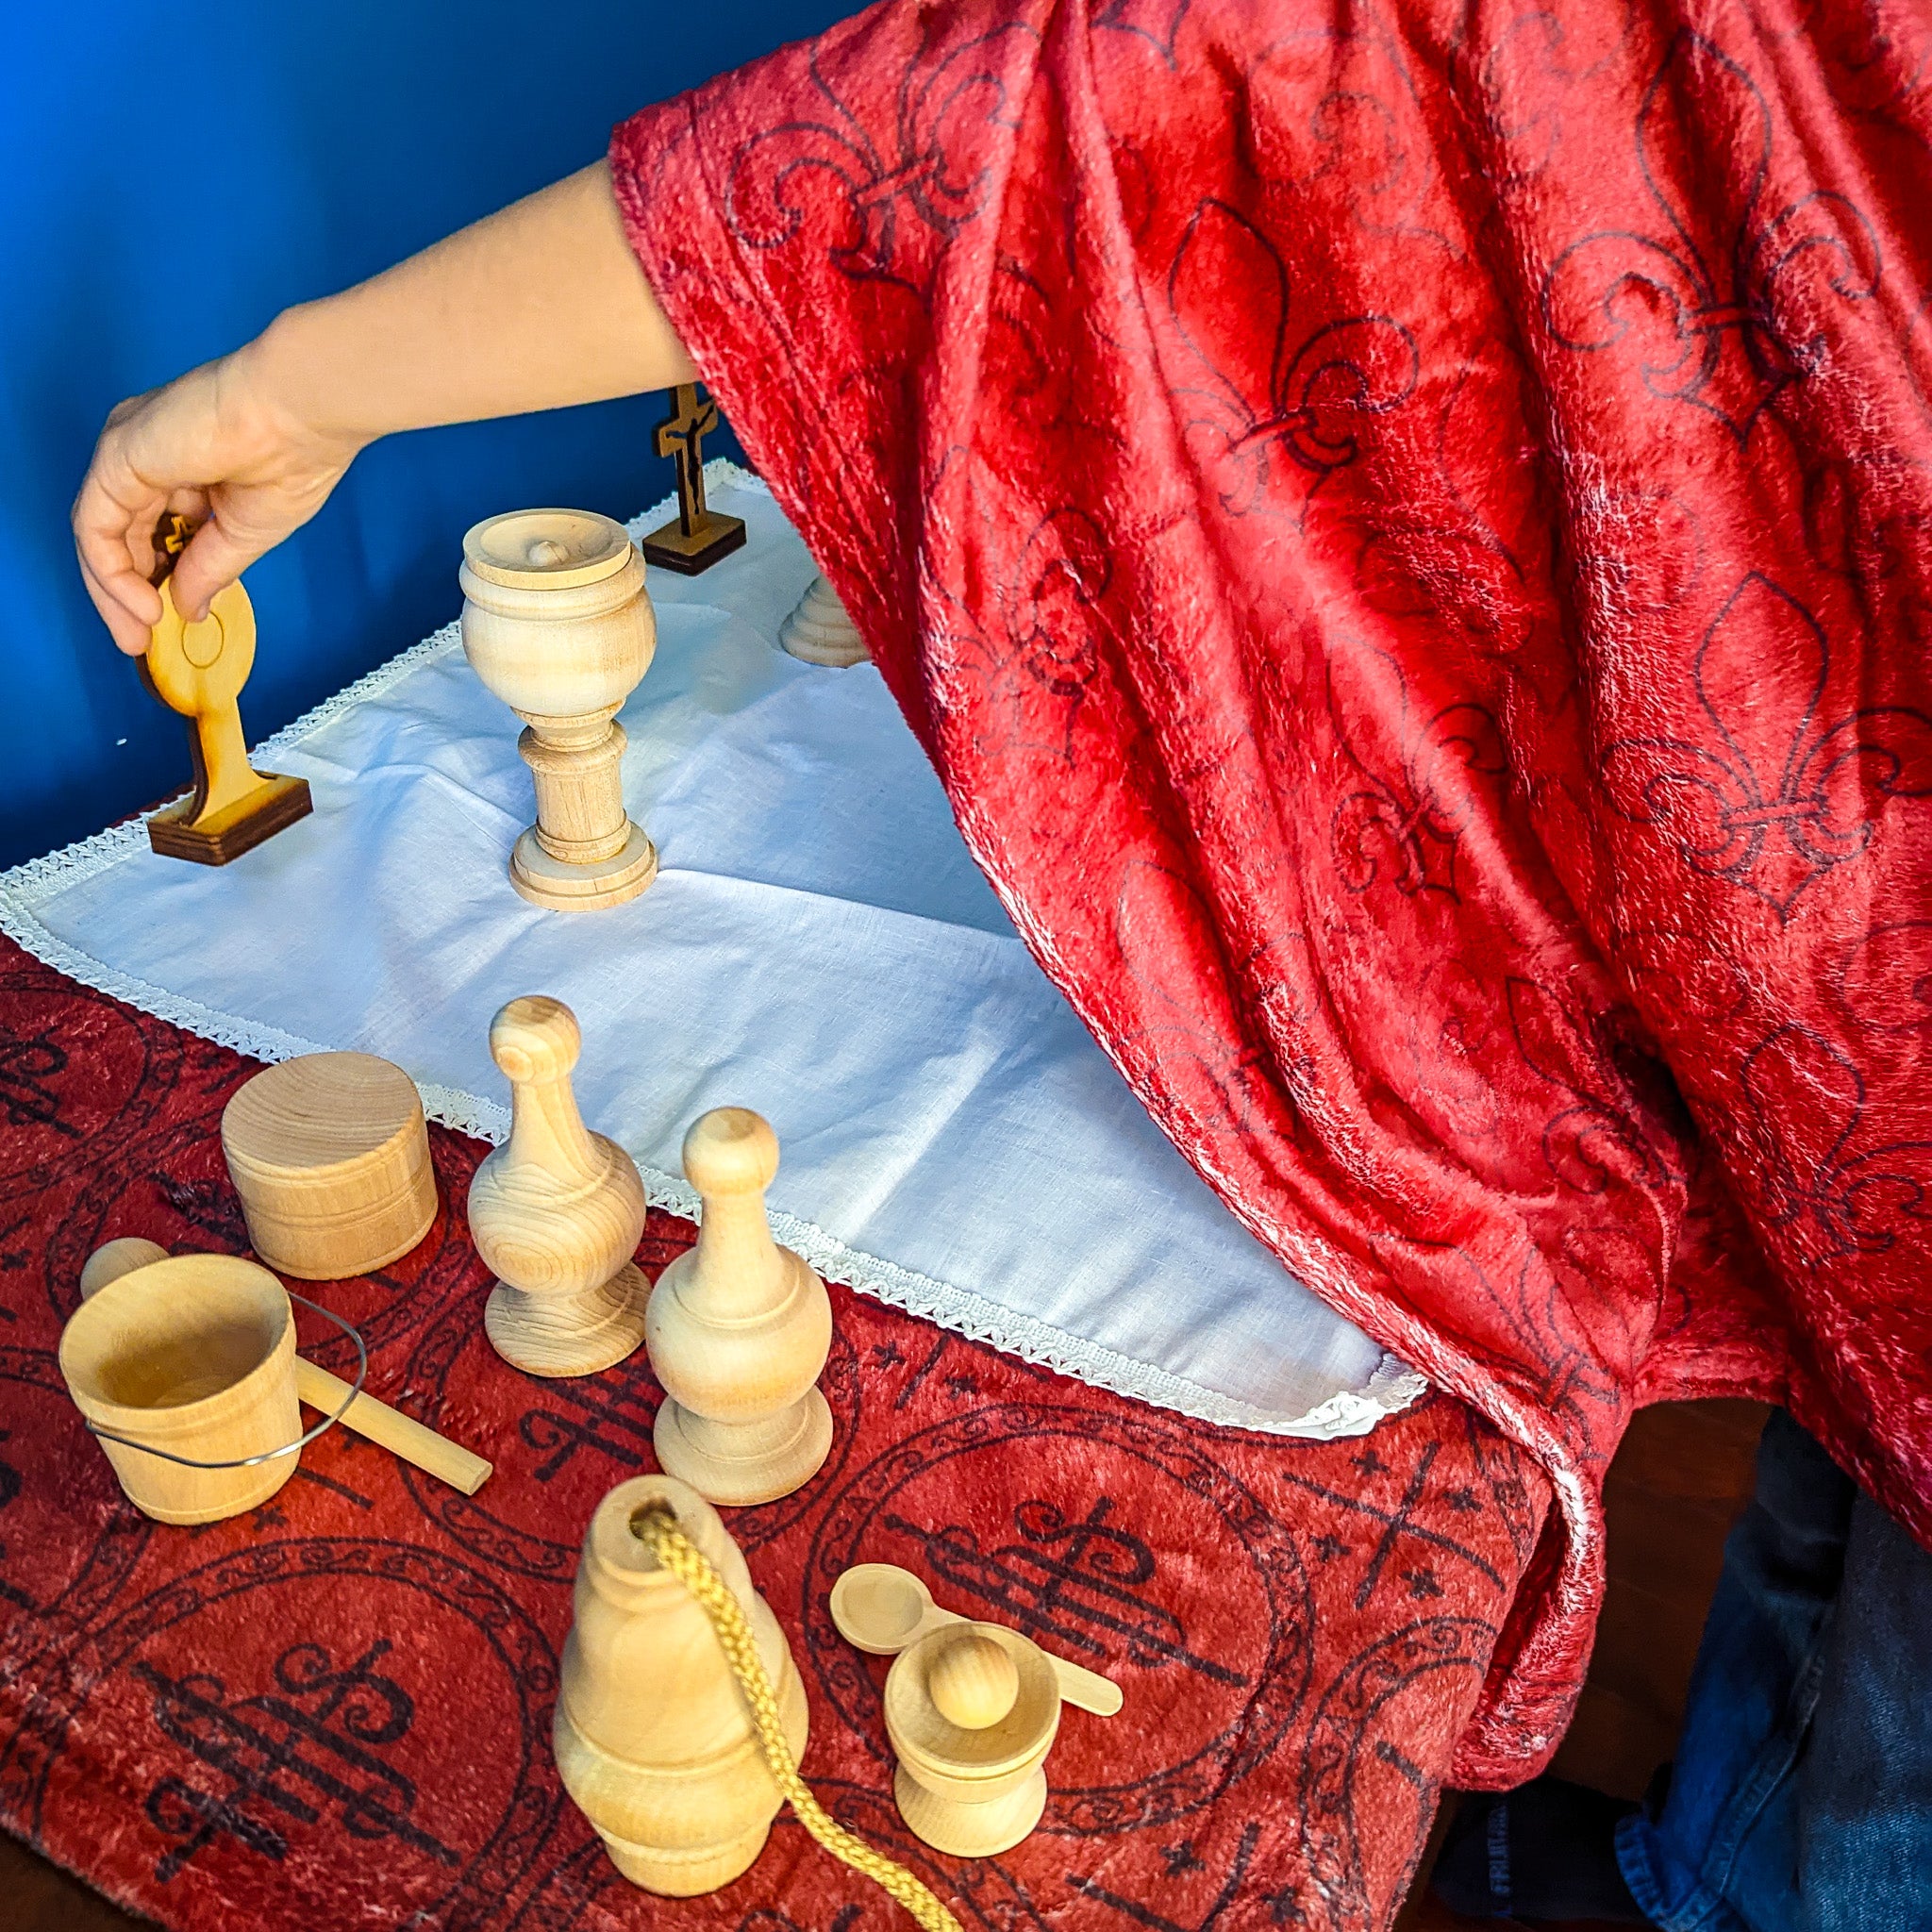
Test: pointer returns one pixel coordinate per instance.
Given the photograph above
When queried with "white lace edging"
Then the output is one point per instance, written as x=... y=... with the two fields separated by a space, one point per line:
x=1392 y=1388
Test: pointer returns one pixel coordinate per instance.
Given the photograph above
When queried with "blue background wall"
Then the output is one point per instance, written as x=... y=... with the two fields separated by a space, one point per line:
x=173 y=179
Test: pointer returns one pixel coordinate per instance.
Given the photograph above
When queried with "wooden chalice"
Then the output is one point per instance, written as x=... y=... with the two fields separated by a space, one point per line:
x=558 y=623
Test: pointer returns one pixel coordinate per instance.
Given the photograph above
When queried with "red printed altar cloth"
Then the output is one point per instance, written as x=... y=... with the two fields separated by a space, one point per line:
x=1402 y=529
x=334 y=1711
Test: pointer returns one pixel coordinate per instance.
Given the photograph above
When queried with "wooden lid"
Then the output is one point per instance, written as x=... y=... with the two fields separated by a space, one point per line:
x=927 y=1740
x=546 y=549
x=309 y=1118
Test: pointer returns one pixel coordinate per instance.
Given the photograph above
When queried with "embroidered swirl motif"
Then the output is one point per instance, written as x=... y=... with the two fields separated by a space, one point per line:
x=1771 y=816
x=1713 y=298
x=1157 y=22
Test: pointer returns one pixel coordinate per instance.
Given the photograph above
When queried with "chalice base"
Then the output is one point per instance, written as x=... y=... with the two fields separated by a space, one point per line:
x=551 y=882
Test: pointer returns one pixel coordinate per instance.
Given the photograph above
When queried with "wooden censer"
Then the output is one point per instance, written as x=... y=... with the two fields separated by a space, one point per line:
x=652 y=1736
x=198 y=670
x=558 y=623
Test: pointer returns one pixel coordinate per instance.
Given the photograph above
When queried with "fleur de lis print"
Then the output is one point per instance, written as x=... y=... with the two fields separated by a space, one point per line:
x=1042 y=636
x=1065 y=567
x=1447 y=554
x=1157 y=22
x=1597 y=1138
x=1720 y=296
x=1807 y=1102
x=1421 y=785
x=1266 y=418
x=854 y=185
x=1787 y=785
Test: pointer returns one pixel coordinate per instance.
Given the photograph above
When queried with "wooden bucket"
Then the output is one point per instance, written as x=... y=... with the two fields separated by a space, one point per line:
x=194 y=1357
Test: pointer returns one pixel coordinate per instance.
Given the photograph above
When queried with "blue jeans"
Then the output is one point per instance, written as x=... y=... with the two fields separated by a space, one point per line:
x=1800 y=1799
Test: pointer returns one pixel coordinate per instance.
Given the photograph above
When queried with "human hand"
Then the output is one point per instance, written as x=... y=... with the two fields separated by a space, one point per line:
x=216 y=446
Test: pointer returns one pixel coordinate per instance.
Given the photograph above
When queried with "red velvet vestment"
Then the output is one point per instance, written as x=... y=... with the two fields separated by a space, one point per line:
x=1402 y=530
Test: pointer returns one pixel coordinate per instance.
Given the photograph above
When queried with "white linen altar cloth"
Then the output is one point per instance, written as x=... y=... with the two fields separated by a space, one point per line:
x=818 y=946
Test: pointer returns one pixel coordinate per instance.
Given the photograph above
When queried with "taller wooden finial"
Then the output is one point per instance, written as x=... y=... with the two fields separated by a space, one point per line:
x=557 y=1212
x=198 y=670
x=701 y=535
x=739 y=1328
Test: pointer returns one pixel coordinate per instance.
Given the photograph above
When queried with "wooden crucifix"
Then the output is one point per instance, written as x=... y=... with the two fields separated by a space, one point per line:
x=700 y=536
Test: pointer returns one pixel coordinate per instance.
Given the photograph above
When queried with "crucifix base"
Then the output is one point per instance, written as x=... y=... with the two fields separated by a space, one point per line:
x=217 y=837
x=715 y=536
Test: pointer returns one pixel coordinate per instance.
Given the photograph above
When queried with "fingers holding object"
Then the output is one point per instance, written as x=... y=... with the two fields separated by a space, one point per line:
x=113 y=522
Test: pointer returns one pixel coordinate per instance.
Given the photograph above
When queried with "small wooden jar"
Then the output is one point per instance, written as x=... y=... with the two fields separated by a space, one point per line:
x=330 y=1156
x=977 y=1787
x=195 y=1356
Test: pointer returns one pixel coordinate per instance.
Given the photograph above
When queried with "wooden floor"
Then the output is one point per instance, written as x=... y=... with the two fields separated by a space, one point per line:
x=1677 y=1484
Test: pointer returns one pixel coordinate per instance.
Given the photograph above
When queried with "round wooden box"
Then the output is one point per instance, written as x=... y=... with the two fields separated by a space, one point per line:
x=330 y=1156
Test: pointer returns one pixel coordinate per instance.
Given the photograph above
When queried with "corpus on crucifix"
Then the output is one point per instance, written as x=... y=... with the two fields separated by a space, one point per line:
x=700 y=536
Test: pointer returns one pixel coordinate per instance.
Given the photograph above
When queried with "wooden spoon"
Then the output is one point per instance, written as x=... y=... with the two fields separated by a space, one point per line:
x=882 y=1610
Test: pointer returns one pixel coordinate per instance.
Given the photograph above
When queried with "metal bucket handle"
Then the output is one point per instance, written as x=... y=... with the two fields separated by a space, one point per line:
x=301 y=1441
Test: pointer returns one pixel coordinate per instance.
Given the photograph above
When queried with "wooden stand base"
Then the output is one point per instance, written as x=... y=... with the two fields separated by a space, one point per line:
x=970 y=1831
x=223 y=834
x=715 y=537
x=560 y=1333
x=741 y=1463
x=564 y=888
x=819 y=631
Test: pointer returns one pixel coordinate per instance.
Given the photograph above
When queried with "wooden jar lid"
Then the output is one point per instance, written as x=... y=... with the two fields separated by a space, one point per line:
x=971 y=1761
x=546 y=549
x=330 y=1156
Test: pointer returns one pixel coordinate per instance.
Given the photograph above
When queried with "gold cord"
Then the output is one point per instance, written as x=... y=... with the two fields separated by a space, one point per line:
x=655 y=1527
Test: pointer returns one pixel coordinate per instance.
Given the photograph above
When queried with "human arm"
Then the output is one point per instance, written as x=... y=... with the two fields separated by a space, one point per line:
x=539 y=306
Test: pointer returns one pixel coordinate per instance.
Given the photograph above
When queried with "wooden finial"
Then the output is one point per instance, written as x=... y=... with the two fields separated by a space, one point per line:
x=701 y=535
x=739 y=1329
x=557 y=1212
x=199 y=670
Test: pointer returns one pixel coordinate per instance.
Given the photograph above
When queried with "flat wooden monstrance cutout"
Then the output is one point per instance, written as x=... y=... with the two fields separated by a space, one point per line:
x=198 y=670
x=700 y=536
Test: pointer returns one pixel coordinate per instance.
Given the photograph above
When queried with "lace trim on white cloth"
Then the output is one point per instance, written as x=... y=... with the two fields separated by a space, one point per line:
x=1392 y=1388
